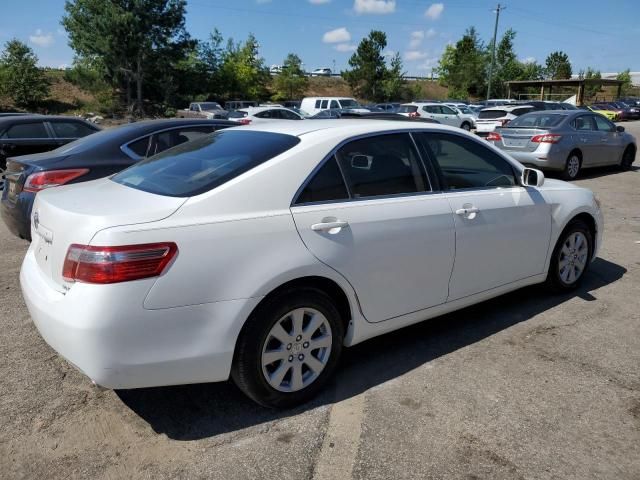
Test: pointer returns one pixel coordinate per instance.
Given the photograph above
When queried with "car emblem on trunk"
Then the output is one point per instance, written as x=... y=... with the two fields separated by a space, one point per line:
x=36 y=220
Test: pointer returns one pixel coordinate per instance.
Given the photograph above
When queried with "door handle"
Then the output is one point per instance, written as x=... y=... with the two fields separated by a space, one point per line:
x=467 y=211
x=326 y=226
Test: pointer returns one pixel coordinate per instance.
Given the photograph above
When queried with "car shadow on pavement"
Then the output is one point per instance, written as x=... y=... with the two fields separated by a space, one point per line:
x=191 y=412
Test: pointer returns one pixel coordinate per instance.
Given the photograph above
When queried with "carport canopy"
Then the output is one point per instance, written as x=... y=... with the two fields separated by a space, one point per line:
x=570 y=82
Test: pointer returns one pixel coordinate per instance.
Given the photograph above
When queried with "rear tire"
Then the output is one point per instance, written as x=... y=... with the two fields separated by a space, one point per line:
x=466 y=126
x=572 y=166
x=628 y=157
x=289 y=348
x=571 y=257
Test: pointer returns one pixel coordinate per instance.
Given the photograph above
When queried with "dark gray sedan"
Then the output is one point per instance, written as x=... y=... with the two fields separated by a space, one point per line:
x=565 y=141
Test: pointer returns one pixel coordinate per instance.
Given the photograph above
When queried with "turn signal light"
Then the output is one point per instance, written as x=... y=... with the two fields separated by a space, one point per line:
x=52 y=178
x=494 y=137
x=546 y=138
x=91 y=264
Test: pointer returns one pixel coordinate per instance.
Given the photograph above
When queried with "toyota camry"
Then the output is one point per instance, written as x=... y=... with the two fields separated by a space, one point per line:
x=259 y=253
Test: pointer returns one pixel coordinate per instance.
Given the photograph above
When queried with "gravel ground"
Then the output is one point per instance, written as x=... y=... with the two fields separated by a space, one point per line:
x=523 y=386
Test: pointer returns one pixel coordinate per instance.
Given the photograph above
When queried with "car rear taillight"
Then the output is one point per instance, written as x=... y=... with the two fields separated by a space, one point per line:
x=494 y=137
x=89 y=264
x=505 y=121
x=546 y=138
x=414 y=114
x=244 y=121
x=52 y=178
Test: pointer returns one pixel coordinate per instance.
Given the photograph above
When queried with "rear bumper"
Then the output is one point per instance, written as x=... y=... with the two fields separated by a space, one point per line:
x=551 y=160
x=105 y=332
x=17 y=216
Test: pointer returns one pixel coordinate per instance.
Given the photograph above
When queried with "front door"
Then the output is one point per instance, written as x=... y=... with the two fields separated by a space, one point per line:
x=383 y=230
x=609 y=146
x=502 y=228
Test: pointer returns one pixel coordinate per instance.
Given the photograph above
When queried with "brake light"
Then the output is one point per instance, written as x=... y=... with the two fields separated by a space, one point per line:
x=505 y=121
x=52 y=178
x=90 y=264
x=494 y=137
x=546 y=138
x=414 y=114
x=244 y=121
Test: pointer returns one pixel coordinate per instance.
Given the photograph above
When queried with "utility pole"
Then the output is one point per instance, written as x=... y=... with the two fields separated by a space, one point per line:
x=493 y=49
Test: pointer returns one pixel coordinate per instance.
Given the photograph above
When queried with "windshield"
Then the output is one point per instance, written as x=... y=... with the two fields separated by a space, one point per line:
x=536 y=120
x=203 y=164
x=348 y=103
x=464 y=110
x=210 y=106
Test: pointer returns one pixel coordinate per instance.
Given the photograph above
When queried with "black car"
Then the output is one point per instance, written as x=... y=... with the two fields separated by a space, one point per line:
x=89 y=158
x=24 y=134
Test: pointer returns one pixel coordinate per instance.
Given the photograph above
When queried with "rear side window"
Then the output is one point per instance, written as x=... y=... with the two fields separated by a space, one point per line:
x=205 y=163
x=465 y=163
x=326 y=185
x=407 y=109
x=324 y=103
x=71 y=129
x=334 y=104
x=318 y=102
x=27 y=130
x=492 y=113
x=382 y=165
x=583 y=122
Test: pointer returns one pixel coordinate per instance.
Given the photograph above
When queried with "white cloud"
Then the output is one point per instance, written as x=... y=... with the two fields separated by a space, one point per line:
x=319 y=2
x=429 y=64
x=431 y=33
x=434 y=11
x=413 y=55
x=41 y=39
x=416 y=39
x=339 y=35
x=528 y=60
x=389 y=53
x=380 y=7
x=345 y=47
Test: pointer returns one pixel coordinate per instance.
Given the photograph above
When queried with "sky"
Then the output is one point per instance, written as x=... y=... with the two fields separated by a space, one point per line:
x=603 y=34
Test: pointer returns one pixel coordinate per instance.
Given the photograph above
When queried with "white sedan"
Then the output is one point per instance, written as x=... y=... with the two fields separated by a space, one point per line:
x=246 y=116
x=259 y=253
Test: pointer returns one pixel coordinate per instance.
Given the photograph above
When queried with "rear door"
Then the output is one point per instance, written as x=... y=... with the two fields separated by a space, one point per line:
x=609 y=148
x=502 y=229
x=588 y=139
x=370 y=214
x=449 y=116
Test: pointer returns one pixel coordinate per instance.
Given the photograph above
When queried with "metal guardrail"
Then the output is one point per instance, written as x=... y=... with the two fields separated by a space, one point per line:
x=406 y=77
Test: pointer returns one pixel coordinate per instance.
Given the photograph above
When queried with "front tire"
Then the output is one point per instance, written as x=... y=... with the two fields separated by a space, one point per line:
x=571 y=257
x=289 y=348
x=628 y=157
x=466 y=126
x=572 y=166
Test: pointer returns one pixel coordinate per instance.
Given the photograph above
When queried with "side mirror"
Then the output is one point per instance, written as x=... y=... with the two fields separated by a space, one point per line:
x=620 y=128
x=532 y=177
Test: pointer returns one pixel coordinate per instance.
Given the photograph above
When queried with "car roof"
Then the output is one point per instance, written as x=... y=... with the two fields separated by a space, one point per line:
x=340 y=128
x=508 y=108
x=31 y=117
x=428 y=104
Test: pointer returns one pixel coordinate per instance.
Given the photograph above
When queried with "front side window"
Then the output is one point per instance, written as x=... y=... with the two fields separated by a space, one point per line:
x=27 y=131
x=447 y=111
x=466 y=163
x=334 y=104
x=71 y=129
x=382 y=165
x=603 y=125
x=205 y=163
x=326 y=185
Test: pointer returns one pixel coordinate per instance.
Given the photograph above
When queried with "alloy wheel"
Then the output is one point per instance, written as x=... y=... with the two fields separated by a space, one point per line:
x=296 y=350
x=573 y=257
x=573 y=166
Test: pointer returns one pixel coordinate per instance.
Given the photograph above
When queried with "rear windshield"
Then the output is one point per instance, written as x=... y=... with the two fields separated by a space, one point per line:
x=407 y=109
x=492 y=113
x=203 y=164
x=347 y=103
x=535 y=120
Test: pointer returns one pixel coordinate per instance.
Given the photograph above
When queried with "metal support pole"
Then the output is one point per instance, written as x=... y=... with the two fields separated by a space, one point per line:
x=493 y=49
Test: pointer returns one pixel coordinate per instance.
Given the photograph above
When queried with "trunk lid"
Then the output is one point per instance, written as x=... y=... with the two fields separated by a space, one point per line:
x=19 y=168
x=520 y=138
x=75 y=213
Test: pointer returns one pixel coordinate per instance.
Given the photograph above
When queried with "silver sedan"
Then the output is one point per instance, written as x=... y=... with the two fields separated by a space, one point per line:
x=566 y=141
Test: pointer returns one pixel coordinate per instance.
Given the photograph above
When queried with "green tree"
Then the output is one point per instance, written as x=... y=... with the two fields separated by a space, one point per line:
x=625 y=76
x=368 y=68
x=558 y=66
x=591 y=90
x=20 y=77
x=243 y=72
x=463 y=66
x=291 y=82
x=507 y=66
x=130 y=37
x=393 y=85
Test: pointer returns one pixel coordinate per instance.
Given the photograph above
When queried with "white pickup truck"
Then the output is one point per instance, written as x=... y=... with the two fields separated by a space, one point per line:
x=206 y=110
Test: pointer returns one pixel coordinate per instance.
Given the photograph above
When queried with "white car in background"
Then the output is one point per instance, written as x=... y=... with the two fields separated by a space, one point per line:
x=436 y=111
x=464 y=112
x=314 y=105
x=321 y=72
x=491 y=118
x=246 y=116
x=259 y=253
